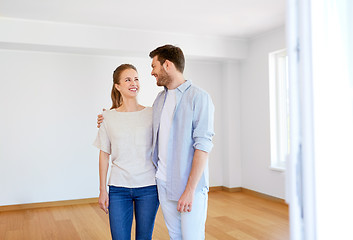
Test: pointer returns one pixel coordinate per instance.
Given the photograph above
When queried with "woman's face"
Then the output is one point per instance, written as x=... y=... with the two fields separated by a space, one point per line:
x=129 y=85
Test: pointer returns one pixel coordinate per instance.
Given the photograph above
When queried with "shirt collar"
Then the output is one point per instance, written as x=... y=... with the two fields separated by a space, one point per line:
x=183 y=86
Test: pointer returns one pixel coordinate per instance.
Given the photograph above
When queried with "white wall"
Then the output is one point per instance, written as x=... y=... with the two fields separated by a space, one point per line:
x=49 y=103
x=221 y=80
x=255 y=117
x=52 y=89
x=232 y=166
x=56 y=77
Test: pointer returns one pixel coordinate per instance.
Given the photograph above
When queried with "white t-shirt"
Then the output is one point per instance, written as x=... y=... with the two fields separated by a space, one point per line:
x=127 y=137
x=164 y=132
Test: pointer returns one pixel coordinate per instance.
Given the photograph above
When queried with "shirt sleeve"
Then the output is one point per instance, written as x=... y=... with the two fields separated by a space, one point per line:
x=203 y=122
x=102 y=141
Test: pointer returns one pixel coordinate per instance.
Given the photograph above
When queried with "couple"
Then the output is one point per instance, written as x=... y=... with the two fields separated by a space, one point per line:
x=176 y=133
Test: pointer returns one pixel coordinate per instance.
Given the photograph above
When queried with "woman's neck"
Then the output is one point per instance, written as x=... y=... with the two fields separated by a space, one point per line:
x=130 y=105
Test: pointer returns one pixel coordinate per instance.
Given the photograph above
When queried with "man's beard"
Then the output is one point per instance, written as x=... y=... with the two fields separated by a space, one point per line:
x=163 y=79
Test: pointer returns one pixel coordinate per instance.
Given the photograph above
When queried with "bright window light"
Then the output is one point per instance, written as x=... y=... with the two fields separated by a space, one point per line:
x=279 y=109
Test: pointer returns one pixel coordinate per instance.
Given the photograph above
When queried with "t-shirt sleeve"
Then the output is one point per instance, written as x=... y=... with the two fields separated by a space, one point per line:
x=102 y=141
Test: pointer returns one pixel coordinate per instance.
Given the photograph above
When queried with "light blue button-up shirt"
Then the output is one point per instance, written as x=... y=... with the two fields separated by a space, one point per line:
x=192 y=128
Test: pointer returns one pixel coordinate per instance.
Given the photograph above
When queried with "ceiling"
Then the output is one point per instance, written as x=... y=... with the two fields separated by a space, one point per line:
x=227 y=18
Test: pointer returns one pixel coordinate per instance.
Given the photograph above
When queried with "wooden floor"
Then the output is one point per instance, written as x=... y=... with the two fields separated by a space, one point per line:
x=230 y=216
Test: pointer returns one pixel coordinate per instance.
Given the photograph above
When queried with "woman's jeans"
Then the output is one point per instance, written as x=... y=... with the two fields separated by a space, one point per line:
x=123 y=202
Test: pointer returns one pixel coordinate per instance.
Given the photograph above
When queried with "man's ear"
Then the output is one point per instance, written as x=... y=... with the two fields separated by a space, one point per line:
x=168 y=65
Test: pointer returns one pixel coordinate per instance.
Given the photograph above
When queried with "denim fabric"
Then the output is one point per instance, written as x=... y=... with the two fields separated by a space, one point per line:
x=123 y=202
x=188 y=225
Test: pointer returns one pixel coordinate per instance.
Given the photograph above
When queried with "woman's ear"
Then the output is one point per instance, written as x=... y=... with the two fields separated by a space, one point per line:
x=116 y=86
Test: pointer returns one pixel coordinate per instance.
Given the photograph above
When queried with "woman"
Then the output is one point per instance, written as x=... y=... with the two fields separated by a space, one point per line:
x=126 y=136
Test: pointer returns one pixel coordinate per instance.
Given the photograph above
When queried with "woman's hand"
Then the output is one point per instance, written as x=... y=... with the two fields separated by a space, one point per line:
x=103 y=201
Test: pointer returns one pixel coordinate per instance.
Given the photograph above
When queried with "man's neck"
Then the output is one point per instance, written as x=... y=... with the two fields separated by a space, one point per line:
x=176 y=82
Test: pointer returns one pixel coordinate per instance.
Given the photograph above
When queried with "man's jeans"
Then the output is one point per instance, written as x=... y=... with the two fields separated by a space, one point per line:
x=188 y=225
x=122 y=202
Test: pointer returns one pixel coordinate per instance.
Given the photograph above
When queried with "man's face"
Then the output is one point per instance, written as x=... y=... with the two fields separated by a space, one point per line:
x=159 y=73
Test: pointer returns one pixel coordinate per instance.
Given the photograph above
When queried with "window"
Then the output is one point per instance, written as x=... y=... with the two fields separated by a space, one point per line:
x=279 y=109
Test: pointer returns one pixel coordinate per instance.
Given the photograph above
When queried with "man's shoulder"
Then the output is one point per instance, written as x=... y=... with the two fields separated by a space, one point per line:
x=197 y=91
x=160 y=94
x=158 y=98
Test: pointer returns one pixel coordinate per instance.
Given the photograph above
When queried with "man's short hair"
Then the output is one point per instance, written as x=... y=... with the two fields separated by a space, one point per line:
x=171 y=53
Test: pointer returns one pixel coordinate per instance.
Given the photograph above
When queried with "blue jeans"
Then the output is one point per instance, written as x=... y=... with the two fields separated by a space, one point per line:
x=123 y=202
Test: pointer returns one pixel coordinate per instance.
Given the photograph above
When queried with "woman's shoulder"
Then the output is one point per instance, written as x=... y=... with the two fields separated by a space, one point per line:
x=145 y=112
x=147 y=108
x=115 y=112
x=108 y=113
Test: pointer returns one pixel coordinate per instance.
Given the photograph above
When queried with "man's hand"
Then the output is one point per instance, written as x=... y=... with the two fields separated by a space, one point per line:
x=185 y=201
x=100 y=119
x=198 y=165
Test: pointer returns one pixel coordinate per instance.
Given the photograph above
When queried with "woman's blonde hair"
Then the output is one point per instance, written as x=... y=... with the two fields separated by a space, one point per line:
x=117 y=99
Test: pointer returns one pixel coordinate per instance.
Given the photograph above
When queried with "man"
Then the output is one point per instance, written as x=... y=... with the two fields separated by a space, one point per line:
x=183 y=117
